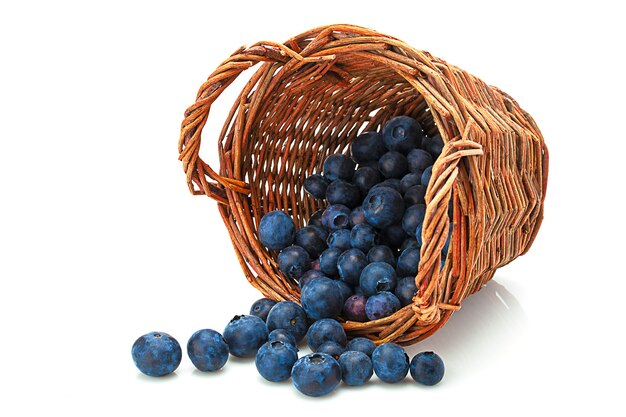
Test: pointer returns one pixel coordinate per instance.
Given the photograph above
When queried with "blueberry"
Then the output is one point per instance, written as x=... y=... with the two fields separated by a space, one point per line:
x=427 y=368
x=354 y=308
x=428 y=172
x=413 y=216
x=274 y=360
x=402 y=133
x=409 y=242
x=325 y=330
x=408 y=262
x=356 y=367
x=344 y=289
x=328 y=261
x=418 y=234
x=419 y=160
x=356 y=216
x=343 y=192
x=156 y=354
x=391 y=363
x=276 y=230
x=368 y=146
x=365 y=178
x=392 y=236
x=321 y=298
x=245 y=335
x=316 y=218
x=309 y=275
x=316 y=186
x=433 y=145
x=350 y=264
x=409 y=180
x=331 y=348
x=282 y=335
x=262 y=307
x=316 y=374
x=339 y=239
x=415 y=195
x=394 y=183
x=315 y=265
x=381 y=305
x=207 y=350
x=383 y=207
x=289 y=316
x=339 y=167
x=393 y=165
x=363 y=237
x=361 y=344
x=336 y=217
x=311 y=239
x=381 y=253
x=370 y=164
x=406 y=290
x=294 y=261
x=377 y=277
x=320 y=231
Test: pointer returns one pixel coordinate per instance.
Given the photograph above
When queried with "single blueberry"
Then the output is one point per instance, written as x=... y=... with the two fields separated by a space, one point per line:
x=377 y=277
x=383 y=207
x=409 y=242
x=392 y=236
x=293 y=261
x=393 y=165
x=427 y=368
x=413 y=216
x=381 y=305
x=350 y=264
x=365 y=178
x=289 y=316
x=321 y=298
x=282 y=335
x=419 y=160
x=356 y=367
x=244 y=335
x=343 y=192
x=339 y=167
x=325 y=330
x=156 y=354
x=409 y=180
x=316 y=218
x=406 y=290
x=336 y=217
x=344 y=289
x=331 y=348
x=207 y=350
x=320 y=231
x=402 y=133
x=328 y=261
x=363 y=237
x=408 y=262
x=309 y=275
x=274 y=360
x=361 y=344
x=433 y=145
x=372 y=163
x=415 y=195
x=340 y=239
x=316 y=374
x=276 y=230
x=262 y=307
x=354 y=308
x=391 y=363
x=381 y=253
x=368 y=146
x=316 y=186
x=356 y=216
x=311 y=239
x=428 y=172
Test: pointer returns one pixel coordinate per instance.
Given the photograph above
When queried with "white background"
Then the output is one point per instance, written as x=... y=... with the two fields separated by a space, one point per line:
x=101 y=242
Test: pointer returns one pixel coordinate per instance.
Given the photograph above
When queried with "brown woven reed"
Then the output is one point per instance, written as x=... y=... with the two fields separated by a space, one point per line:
x=310 y=97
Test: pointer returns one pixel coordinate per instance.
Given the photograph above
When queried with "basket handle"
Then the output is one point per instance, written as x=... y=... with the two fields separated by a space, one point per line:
x=197 y=171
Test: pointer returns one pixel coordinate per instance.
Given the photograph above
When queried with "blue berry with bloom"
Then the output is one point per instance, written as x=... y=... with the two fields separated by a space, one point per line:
x=316 y=374
x=427 y=368
x=207 y=350
x=276 y=230
x=391 y=363
x=156 y=354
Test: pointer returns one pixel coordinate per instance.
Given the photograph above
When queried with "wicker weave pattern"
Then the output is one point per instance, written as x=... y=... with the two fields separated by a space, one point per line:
x=310 y=97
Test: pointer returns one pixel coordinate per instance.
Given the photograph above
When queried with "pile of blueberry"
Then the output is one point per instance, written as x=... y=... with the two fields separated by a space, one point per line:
x=359 y=256
x=271 y=334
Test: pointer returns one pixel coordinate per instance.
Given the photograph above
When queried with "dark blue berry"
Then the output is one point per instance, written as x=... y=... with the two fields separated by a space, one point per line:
x=207 y=350
x=361 y=344
x=402 y=133
x=381 y=253
x=408 y=262
x=433 y=145
x=331 y=348
x=316 y=374
x=343 y=192
x=294 y=261
x=393 y=165
x=377 y=277
x=368 y=146
x=356 y=367
x=282 y=335
x=427 y=368
x=413 y=216
x=363 y=237
x=316 y=218
x=409 y=180
x=262 y=307
x=371 y=164
x=357 y=216
x=339 y=239
x=321 y=298
x=245 y=335
x=428 y=172
x=276 y=230
x=344 y=289
x=324 y=330
x=381 y=305
x=365 y=178
x=336 y=217
x=419 y=160
x=316 y=185
x=409 y=242
x=328 y=261
x=383 y=207
x=354 y=308
x=339 y=167
x=406 y=290
x=308 y=276
x=311 y=239
x=350 y=264
x=274 y=360
x=156 y=354
x=415 y=195
x=392 y=236
x=394 y=183
x=289 y=316
x=391 y=363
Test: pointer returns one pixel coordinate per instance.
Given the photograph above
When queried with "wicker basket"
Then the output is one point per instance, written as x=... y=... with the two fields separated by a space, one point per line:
x=310 y=97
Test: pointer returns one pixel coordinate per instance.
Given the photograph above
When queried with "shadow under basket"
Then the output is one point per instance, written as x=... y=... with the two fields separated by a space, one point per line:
x=310 y=97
